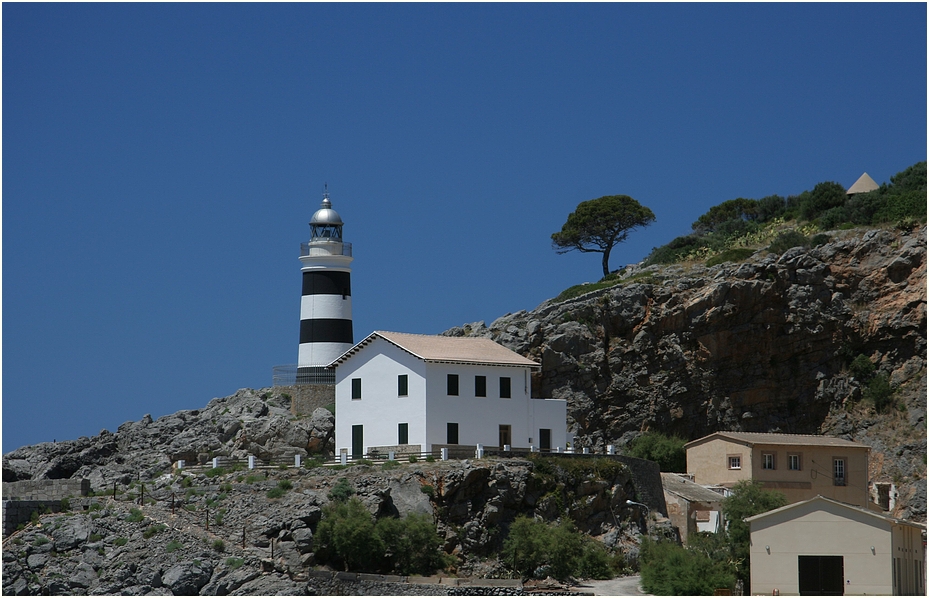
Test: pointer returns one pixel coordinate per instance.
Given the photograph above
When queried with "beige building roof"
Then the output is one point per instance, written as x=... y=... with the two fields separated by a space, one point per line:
x=753 y=438
x=447 y=349
x=821 y=498
x=681 y=486
x=863 y=185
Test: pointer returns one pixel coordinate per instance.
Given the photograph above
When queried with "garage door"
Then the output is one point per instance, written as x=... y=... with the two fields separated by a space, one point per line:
x=821 y=575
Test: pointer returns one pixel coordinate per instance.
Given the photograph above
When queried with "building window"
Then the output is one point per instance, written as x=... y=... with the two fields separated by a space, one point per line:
x=453 y=385
x=735 y=461
x=356 y=388
x=793 y=462
x=838 y=472
x=480 y=386
x=403 y=386
x=505 y=387
x=403 y=434
x=451 y=433
x=767 y=461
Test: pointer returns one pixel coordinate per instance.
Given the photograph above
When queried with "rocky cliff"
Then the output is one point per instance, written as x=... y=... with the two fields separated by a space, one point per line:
x=764 y=345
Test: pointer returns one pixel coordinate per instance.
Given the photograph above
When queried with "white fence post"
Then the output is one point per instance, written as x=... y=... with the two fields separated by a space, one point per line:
x=506 y=448
x=445 y=454
x=215 y=462
x=251 y=461
x=180 y=464
x=532 y=448
x=610 y=449
x=297 y=461
x=390 y=455
x=586 y=451
x=557 y=449
x=480 y=451
x=343 y=456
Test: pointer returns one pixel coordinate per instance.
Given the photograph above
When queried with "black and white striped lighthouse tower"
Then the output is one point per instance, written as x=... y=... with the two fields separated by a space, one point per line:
x=326 y=304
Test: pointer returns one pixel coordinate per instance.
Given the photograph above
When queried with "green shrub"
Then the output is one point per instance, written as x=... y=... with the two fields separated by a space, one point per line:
x=40 y=541
x=121 y=541
x=668 y=569
x=413 y=459
x=862 y=368
x=186 y=482
x=215 y=471
x=428 y=490
x=275 y=492
x=388 y=465
x=539 y=549
x=667 y=451
x=730 y=255
x=430 y=459
x=173 y=545
x=252 y=478
x=341 y=491
x=234 y=563
x=787 y=240
x=65 y=504
x=219 y=545
x=96 y=506
x=348 y=536
x=879 y=392
x=95 y=538
x=285 y=484
x=748 y=498
x=312 y=462
x=153 y=529
x=135 y=515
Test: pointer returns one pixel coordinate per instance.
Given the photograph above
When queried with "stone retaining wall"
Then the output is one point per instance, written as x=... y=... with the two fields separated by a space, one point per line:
x=646 y=476
x=21 y=499
x=339 y=583
x=45 y=489
x=306 y=398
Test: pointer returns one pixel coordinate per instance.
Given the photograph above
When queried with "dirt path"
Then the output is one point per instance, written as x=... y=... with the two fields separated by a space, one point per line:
x=620 y=586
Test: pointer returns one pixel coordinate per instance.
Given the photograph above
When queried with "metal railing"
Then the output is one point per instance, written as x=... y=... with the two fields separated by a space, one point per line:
x=323 y=248
x=293 y=375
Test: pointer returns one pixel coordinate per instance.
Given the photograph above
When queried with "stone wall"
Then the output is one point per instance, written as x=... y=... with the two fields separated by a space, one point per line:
x=305 y=398
x=646 y=476
x=21 y=499
x=45 y=490
x=338 y=583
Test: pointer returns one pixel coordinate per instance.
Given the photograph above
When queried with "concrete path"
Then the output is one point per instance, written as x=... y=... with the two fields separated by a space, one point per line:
x=620 y=586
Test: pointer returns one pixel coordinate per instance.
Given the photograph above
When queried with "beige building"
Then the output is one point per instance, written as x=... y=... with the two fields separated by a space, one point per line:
x=801 y=466
x=823 y=547
x=691 y=507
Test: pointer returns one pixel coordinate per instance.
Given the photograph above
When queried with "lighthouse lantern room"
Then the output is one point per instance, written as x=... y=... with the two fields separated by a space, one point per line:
x=326 y=302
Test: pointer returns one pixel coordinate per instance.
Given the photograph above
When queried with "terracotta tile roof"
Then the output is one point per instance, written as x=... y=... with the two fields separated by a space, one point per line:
x=752 y=438
x=449 y=349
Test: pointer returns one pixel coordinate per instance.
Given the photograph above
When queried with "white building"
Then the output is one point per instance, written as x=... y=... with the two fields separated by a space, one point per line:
x=416 y=393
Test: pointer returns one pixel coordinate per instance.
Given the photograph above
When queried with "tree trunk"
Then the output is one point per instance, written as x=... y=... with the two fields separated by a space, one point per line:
x=606 y=262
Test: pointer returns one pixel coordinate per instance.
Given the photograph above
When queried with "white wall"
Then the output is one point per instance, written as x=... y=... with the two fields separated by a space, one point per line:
x=380 y=410
x=428 y=408
x=479 y=418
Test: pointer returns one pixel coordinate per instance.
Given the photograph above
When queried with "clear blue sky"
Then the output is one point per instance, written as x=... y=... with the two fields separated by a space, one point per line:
x=161 y=162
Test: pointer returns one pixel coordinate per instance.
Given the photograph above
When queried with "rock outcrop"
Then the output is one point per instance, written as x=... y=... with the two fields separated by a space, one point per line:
x=249 y=422
x=763 y=345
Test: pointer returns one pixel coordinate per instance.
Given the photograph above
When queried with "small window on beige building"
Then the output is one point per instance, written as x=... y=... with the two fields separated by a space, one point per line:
x=794 y=462
x=767 y=461
x=735 y=461
x=838 y=471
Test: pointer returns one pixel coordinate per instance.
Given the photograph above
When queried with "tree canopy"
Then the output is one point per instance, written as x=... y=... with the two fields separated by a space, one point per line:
x=598 y=225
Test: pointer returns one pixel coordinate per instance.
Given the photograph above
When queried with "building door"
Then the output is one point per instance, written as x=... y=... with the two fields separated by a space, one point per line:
x=451 y=436
x=821 y=575
x=505 y=435
x=358 y=441
x=545 y=439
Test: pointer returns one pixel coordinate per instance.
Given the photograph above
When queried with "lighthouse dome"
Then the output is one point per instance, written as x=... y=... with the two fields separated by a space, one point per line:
x=326 y=216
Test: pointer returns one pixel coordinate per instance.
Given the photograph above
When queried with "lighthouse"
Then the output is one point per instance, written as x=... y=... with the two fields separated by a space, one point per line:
x=326 y=301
